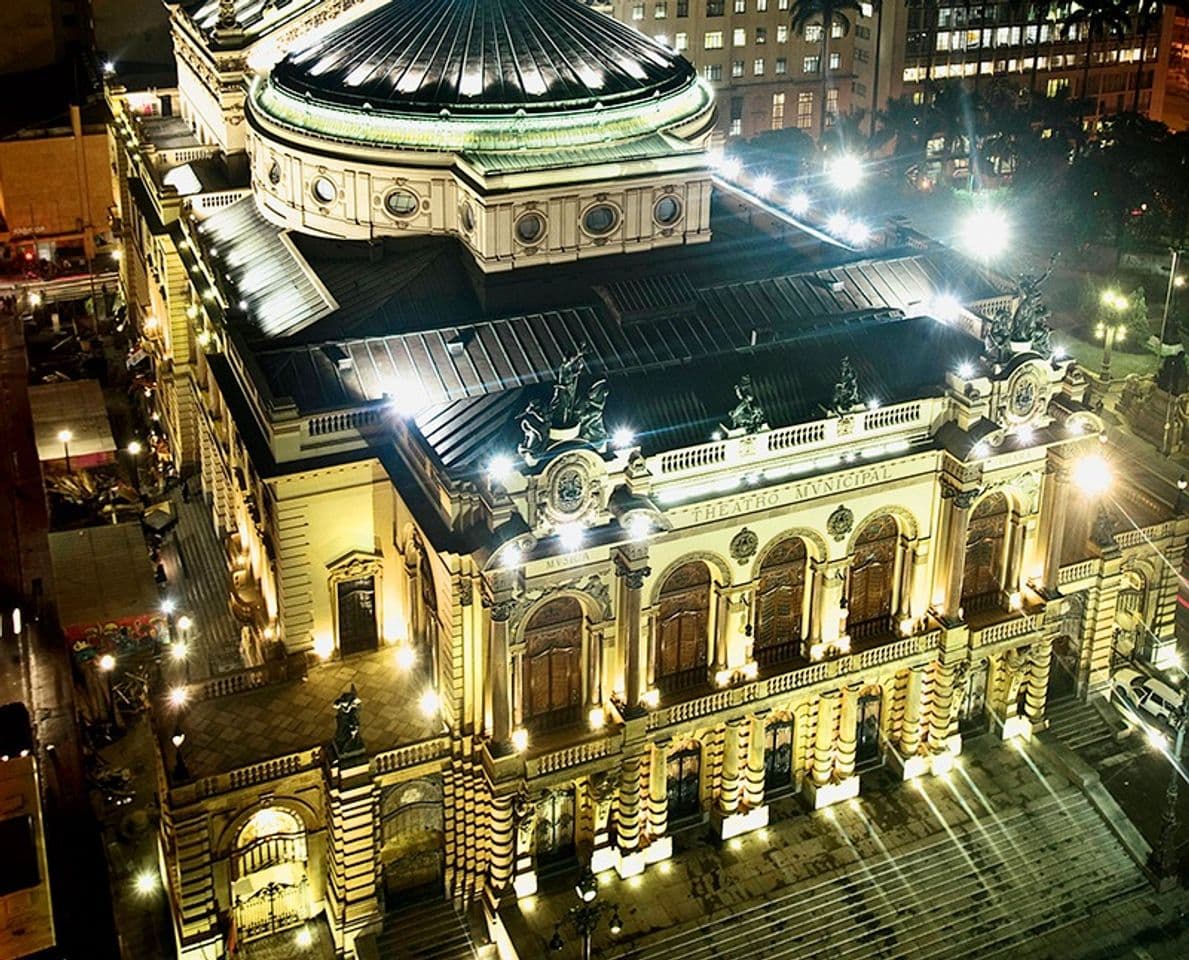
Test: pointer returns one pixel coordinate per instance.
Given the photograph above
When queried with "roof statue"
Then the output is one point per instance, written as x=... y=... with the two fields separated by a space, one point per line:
x=571 y=415
x=1103 y=532
x=347 y=740
x=1028 y=322
x=747 y=415
x=846 y=390
x=226 y=19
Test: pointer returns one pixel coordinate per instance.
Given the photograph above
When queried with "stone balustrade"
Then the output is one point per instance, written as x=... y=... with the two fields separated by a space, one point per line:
x=1011 y=629
x=227 y=684
x=412 y=755
x=572 y=756
x=250 y=776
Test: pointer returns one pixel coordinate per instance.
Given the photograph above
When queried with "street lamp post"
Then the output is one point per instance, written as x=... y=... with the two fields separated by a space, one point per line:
x=134 y=449
x=584 y=918
x=180 y=771
x=1109 y=331
x=64 y=438
x=1163 y=859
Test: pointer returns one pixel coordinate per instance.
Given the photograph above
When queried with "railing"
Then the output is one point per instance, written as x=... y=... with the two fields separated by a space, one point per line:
x=228 y=684
x=887 y=652
x=342 y=422
x=412 y=755
x=572 y=756
x=166 y=159
x=216 y=201
x=1007 y=630
x=915 y=418
x=1077 y=571
x=249 y=776
x=1133 y=538
x=805 y=677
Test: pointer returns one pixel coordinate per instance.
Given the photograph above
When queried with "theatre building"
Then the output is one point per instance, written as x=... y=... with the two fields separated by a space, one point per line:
x=569 y=504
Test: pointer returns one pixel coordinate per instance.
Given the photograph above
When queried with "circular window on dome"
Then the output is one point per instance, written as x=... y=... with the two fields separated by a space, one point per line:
x=324 y=190
x=530 y=228
x=600 y=219
x=467 y=216
x=402 y=203
x=667 y=211
x=274 y=173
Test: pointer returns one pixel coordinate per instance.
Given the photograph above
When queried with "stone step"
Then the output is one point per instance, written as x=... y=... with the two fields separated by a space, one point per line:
x=1078 y=724
x=1036 y=869
x=431 y=931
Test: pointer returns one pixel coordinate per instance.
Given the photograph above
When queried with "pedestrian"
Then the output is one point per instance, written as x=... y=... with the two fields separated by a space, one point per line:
x=186 y=491
x=160 y=576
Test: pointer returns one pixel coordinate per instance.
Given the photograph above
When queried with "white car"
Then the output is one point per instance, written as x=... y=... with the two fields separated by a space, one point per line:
x=1146 y=699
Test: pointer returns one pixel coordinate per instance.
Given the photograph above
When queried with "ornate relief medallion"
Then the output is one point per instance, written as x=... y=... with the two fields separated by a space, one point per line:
x=1027 y=394
x=744 y=545
x=570 y=491
x=839 y=523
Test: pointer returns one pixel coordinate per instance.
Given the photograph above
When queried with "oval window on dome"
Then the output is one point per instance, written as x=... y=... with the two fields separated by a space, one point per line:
x=530 y=228
x=467 y=216
x=274 y=173
x=324 y=190
x=402 y=203
x=667 y=211
x=600 y=219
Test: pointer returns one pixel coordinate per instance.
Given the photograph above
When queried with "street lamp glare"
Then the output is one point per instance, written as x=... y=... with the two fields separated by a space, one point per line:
x=134 y=447
x=846 y=172
x=985 y=234
x=179 y=651
x=146 y=883
x=178 y=697
x=184 y=622
x=1092 y=475
x=107 y=663
x=65 y=436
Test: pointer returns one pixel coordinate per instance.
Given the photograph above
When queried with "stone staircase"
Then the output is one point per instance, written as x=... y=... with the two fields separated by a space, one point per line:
x=981 y=892
x=1078 y=724
x=429 y=931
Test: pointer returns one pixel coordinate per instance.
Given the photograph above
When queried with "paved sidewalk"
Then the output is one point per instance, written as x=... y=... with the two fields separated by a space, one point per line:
x=195 y=559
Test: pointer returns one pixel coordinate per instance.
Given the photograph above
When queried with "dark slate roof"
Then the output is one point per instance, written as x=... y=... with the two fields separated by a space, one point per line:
x=895 y=359
x=482 y=57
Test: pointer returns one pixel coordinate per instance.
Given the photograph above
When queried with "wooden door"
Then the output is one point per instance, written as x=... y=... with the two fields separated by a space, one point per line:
x=872 y=576
x=553 y=664
x=684 y=782
x=983 y=571
x=357 y=615
x=682 y=627
x=780 y=602
x=778 y=754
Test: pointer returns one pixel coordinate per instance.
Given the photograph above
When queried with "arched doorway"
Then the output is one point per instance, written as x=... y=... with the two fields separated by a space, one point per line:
x=982 y=575
x=684 y=772
x=554 y=839
x=1065 y=663
x=778 y=754
x=972 y=711
x=357 y=615
x=427 y=618
x=270 y=888
x=780 y=600
x=412 y=840
x=872 y=578
x=868 y=735
x=553 y=665
x=683 y=627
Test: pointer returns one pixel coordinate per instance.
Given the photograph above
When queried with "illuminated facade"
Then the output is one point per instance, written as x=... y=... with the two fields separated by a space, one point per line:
x=565 y=506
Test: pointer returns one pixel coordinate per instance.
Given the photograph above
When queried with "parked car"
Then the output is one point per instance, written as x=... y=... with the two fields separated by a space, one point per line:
x=1146 y=699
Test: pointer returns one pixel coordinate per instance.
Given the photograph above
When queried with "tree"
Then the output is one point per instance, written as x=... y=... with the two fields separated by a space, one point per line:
x=1148 y=14
x=827 y=12
x=877 y=12
x=1100 y=19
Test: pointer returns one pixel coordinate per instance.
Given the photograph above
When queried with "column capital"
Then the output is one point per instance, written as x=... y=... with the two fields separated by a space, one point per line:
x=633 y=578
x=501 y=610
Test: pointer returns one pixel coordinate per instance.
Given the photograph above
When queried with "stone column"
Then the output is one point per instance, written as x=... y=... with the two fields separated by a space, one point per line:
x=632 y=571
x=813 y=629
x=1037 y=691
x=722 y=624
x=518 y=688
x=352 y=906
x=910 y=726
x=941 y=705
x=194 y=906
x=1052 y=520
x=503 y=843
x=731 y=788
x=823 y=742
x=524 y=818
x=497 y=665
x=848 y=723
x=661 y=846
x=627 y=819
x=832 y=615
x=753 y=785
x=954 y=562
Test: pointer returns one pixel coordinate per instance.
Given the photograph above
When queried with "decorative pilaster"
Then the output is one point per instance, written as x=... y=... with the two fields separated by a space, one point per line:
x=834 y=749
x=660 y=845
x=497 y=660
x=1036 y=693
x=196 y=923
x=848 y=728
x=731 y=789
x=627 y=819
x=823 y=741
x=941 y=706
x=734 y=814
x=524 y=819
x=602 y=788
x=631 y=567
x=910 y=728
x=1052 y=519
x=954 y=564
x=503 y=842
x=352 y=905
x=753 y=784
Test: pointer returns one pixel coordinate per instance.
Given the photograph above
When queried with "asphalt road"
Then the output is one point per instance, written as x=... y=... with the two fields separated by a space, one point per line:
x=35 y=668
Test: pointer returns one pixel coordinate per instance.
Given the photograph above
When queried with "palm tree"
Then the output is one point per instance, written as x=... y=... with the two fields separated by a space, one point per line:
x=1101 y=18
x=827 y=13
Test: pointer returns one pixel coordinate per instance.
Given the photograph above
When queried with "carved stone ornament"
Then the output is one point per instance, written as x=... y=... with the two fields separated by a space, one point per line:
x=840 y=523
x=634 y=578
x=570 y=490
x=501 y=610
x=964 y=499
x=603 y=786
x=747 y=415
x=846 y=390
x=347 y=739
x=744 y=545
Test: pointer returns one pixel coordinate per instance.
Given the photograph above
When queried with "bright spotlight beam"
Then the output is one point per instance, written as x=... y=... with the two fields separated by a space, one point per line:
x=985 y=234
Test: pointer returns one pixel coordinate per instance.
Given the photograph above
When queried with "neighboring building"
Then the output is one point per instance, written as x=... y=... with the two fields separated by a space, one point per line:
x=132 y=32
x=41 y=33
x=55 y=187
x=769 y=77
x=609 y=506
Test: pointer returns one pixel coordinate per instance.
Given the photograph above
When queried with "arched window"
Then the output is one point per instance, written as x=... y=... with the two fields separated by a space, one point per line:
x=982 y=576
x=555 y=827
x=273 y=835
x=428 y=613
x=684 y=773
x=872 y=573
x=1133 y=595
x=682 y=627
x=553 y=664
x=778 y=754
x=780 y=601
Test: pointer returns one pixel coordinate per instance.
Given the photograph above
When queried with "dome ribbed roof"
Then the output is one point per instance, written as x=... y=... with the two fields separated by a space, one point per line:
x=483 y=57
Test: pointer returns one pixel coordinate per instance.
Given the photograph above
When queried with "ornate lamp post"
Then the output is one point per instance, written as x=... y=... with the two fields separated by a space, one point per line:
x=64 y=438
x=1163 y=860
x=1110 y=332
x=180 y=771
x=584 y=918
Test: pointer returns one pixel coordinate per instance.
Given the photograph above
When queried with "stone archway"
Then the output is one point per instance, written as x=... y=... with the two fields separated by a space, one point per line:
x=412 y=840
x=270 y=889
